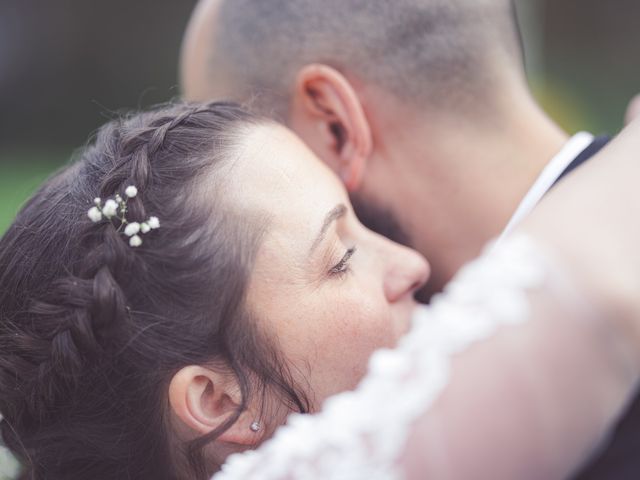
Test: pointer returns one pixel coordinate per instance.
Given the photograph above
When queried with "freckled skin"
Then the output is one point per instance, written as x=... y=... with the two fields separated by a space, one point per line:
x=327 y=325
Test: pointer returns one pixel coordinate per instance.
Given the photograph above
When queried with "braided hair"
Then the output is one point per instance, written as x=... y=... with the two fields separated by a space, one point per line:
x=92 y=330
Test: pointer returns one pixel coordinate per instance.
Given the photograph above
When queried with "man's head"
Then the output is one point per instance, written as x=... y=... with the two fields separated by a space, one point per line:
x=440 y=52
x=400 y=98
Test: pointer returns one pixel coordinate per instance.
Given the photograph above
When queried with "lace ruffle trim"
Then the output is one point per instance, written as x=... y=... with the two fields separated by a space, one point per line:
x=361 y=434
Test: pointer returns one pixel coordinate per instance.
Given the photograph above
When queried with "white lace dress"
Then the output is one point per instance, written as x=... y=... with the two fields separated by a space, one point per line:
x=489 y=384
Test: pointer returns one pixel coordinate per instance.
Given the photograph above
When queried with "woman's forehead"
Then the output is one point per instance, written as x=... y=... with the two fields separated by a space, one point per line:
x=278 y=177
x=276 y=170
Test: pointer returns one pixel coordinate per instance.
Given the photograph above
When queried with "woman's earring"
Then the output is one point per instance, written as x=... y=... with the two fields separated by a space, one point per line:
x=255 y=426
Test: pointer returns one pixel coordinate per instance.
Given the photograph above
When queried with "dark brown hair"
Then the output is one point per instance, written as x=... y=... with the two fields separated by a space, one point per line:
x=92 y=330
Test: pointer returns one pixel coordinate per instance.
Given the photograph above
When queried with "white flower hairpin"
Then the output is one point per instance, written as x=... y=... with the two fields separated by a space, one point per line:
x=117 y=208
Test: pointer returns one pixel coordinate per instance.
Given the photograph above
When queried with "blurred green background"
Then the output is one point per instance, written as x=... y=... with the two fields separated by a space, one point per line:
x=66 y=66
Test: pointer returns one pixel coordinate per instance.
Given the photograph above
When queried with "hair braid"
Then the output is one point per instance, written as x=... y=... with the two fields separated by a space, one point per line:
x=92 y=303
x=91 y=330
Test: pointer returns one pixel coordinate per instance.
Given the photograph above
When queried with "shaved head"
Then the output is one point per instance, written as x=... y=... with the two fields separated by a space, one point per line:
x=436 y=52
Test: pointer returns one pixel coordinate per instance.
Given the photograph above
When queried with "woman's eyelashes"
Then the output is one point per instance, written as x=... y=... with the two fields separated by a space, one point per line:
x=343 y=267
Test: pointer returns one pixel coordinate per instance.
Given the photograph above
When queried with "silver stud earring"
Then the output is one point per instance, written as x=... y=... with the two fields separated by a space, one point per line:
x=255 y=426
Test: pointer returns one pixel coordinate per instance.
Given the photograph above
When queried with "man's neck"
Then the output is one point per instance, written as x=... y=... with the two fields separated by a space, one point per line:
x=468 y=180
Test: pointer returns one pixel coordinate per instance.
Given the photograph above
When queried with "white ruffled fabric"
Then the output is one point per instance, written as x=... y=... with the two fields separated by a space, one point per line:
x=363 y=434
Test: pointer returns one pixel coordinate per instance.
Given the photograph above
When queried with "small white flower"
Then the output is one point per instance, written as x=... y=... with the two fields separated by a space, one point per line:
x=95 y=214
x=110 y=208
x=117 y=207
x=131 y=191
x=132 y=229
x=153 y=223
x=135 y=241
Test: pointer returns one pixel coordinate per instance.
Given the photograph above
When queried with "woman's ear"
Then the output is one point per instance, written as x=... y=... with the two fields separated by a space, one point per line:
x=204 y=400
x=327 y=114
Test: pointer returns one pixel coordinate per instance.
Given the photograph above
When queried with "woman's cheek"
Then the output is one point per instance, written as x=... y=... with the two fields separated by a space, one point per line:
x=365 y=325
x=354 y=327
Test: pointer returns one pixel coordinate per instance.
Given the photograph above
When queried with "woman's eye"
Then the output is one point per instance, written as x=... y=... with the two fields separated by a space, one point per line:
x=342 y=266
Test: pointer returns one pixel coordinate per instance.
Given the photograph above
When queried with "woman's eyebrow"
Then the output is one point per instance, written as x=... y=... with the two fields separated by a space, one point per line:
x=335 y=213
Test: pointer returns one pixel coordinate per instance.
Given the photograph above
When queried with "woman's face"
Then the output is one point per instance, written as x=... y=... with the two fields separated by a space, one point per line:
x=326 y=288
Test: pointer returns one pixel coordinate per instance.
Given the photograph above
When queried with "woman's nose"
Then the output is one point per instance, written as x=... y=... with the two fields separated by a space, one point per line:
x=407 y=271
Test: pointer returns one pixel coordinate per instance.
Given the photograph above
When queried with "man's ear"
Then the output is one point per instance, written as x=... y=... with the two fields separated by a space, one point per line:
x=204 y=400
x=328 y=115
